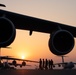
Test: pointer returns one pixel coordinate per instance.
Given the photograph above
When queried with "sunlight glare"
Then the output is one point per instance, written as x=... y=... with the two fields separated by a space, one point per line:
x=23 y=57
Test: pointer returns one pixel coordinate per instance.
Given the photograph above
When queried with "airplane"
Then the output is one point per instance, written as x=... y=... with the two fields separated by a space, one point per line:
x=5 y=65
x=61 y=40
x=14 y=63
x=66 y=65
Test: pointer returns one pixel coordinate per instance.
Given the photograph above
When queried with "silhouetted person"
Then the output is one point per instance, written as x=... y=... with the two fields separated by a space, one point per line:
x=43 y=64
x=46 y=64
x=40 y=64
x=51 y=64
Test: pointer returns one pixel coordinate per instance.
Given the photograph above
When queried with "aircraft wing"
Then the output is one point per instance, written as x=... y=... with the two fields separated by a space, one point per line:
x=20 y=64
x=25 y=22
x=74 y=63
x=60 y=63
x=10 y=58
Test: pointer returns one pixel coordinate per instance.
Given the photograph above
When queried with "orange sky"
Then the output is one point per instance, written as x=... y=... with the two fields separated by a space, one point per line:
x=36 y=46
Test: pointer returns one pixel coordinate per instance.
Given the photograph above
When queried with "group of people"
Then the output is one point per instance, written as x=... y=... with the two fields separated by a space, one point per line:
x=45 y=64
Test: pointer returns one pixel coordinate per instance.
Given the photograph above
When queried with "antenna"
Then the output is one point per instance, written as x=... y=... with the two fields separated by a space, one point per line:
x=62 y=59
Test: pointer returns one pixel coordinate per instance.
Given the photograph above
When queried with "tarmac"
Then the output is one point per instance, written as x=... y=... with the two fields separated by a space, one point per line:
x=37 y=72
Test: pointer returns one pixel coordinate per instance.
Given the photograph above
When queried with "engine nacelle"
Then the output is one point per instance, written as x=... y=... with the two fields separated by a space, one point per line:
x=14 y=63
x=20 y=66
x=23 y=63
x=61 y=42
x=59 y=65
x=7 y=32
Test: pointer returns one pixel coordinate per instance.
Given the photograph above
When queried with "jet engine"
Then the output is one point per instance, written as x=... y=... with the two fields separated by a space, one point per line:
x=61 y=42
x=14 y=63
x=59 y=65
x=7 y=32
x=23 y=63
x=20 y=66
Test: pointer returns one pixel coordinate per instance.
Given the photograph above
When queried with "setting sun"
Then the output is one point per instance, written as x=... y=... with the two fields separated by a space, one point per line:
x=23 y=57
